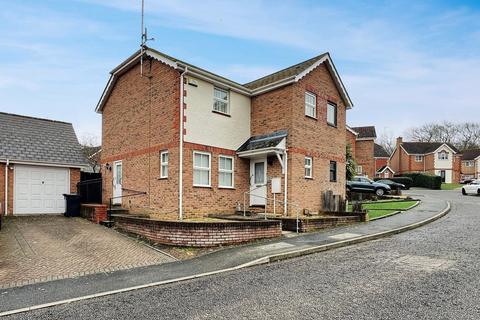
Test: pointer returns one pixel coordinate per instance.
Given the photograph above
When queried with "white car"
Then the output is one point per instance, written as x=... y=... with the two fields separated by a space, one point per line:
x=471 y=188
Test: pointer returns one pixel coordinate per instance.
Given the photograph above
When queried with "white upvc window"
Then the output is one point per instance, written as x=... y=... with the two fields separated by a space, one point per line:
x=469 y=164
x=418 y=158
x=359 y=169
x=201 y=169
x=225 y=172
x=220 y=100
x=310 y=105
x=308 y=167
x=332 y=114
x=164 y=164
x=443 y=155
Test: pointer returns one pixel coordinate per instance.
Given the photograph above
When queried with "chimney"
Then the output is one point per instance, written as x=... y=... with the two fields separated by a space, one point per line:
x=399 y=141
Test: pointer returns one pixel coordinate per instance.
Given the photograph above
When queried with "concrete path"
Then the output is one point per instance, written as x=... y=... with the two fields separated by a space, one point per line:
x=228 y=259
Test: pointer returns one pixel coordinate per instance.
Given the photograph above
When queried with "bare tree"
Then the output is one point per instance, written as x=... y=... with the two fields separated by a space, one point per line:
x=91 y=150
x=461 y=135
x=387 y=140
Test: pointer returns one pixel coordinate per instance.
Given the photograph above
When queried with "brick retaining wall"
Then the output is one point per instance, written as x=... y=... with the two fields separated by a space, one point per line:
x=94 y=212
x=198 y=234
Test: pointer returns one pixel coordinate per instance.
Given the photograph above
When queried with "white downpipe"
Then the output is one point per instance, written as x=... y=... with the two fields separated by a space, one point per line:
x=285 y=165
x=180 y=160
x=6 y=187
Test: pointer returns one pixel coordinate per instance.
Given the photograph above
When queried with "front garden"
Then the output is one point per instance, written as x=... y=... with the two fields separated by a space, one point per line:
x=379 y=209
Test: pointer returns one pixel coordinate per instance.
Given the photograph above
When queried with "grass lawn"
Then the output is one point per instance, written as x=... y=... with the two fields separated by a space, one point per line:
x=376 y=210
x=451 y=186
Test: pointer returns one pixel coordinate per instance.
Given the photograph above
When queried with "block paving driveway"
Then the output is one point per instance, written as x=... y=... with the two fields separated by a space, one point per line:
x=43 y=248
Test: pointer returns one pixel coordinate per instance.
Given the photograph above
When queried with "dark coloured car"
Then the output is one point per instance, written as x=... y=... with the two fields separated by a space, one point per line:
x=365 y=185
x=392 y=184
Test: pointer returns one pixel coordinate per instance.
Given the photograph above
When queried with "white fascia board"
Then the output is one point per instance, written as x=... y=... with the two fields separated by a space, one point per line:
x=365 y=139
x=394 y=150
x=273 y=85
x=352 y=131
x=446 y=145
x=250 y=153
x=161 y=58
x=46 y=164
x=407 y=151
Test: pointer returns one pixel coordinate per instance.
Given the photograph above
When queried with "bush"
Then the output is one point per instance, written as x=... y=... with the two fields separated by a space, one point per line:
x=424 y=180
x=407 y=181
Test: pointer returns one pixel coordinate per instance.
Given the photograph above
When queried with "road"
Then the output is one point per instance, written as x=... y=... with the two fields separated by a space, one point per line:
x=429 y=273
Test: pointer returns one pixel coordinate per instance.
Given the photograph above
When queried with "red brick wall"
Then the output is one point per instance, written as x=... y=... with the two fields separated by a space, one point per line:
x=351 y=139
x=74 y=179
x=2 y=190
x=285 y=109
x=199 y=234
x=380 y=162
x=141 y=118
x=364 y=156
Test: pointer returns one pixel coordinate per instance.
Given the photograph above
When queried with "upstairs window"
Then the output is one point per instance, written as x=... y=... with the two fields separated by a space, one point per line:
x=418 y=158
x=164 y=164
x=220 y=101
x=333 y=171
x=469 y=164
x=308 y=167
x=443 y=155
x=359 y=170
x=310 y=105
x=332 y=114
x=225 y=172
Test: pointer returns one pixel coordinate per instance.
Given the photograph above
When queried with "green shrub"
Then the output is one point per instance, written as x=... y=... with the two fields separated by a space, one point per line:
x=424 y=180
x=407 y=181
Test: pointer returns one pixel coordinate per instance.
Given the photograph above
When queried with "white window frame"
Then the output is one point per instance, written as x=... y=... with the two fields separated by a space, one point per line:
x=359 y=170
x=163 y=164
x=308 y=167
x=443 y=153
x=469 y=163
x=209 y=169
x=232 y=171
x=418 y=158
x=309 y=106
x=335 y=108
x=227 y=102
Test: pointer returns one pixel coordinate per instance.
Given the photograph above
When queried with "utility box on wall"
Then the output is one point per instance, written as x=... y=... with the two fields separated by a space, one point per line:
x=276 y=185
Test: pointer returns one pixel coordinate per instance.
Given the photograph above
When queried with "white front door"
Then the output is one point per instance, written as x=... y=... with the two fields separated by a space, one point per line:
x=117 y=182
x=258 y=182
x=39 y=190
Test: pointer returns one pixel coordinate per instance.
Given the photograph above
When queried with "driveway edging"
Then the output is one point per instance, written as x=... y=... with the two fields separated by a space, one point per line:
x=263 y=260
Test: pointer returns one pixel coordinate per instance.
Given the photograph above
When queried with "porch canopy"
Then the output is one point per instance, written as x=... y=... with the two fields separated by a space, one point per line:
x=271 y=144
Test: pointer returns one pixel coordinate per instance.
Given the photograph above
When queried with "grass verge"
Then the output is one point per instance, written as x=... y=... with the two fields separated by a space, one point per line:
x=377 y=210
x=451 y=186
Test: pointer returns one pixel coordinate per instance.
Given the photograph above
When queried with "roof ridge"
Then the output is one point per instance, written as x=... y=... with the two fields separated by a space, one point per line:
x=292 y=66
x=35 y=118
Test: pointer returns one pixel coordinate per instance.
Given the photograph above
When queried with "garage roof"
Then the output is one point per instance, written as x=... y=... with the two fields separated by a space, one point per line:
x=28 y=139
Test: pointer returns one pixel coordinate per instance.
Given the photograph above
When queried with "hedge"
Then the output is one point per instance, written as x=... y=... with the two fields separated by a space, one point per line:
x=407 y=181
x=425 y=181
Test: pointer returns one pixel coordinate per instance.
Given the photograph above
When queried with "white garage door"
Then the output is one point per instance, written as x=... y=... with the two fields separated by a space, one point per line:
x=39 y=190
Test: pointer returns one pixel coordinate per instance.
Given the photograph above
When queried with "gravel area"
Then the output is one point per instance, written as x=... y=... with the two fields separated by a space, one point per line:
x=429 y=273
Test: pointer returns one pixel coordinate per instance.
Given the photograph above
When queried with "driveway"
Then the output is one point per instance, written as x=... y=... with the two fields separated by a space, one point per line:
x=43 y=248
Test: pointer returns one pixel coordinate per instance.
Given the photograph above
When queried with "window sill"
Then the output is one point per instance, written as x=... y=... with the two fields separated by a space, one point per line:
x=200 y=186
x=332 y=125
x=163 y=178
x=221 y=113
x=308 y=178
x=333 y=181
x=310 y=117
x=228 y=188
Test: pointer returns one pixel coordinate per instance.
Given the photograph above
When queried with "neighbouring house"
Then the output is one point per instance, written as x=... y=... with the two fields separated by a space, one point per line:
x=365 y=150
x=470 y=164
x=351 y=139
x=382 y=167
x=40 y=160
x=434 y=158
x=198 y=143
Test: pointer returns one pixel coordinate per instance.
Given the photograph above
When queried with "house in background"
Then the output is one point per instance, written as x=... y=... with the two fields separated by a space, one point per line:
x=351 y=139
x=40 y=160
x=198 y=143
x=365 y=150
x=382 y=168
x=470 y=164
x=436 y=158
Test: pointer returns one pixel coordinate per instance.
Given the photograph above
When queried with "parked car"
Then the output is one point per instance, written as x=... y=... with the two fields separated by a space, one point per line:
x=466 y=180
x=365 y=185
x=471 y=188
x=392 y=184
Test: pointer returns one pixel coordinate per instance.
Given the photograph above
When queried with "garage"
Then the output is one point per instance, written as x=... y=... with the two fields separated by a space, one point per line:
x=40 y=190
x=40 y=161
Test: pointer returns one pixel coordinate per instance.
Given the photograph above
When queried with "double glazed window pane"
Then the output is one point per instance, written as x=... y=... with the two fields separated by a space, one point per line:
x=220 y=100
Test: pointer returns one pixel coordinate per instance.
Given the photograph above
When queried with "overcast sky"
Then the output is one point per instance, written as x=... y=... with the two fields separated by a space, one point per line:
x=403 y=62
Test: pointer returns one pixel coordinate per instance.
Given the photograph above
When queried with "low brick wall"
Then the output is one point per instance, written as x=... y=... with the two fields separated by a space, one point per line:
x=94 y=212
x=198 y=234
x=306 y=224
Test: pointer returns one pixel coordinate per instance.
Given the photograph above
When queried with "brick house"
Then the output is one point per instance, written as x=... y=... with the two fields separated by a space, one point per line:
x=365 y=150
x=199 y=143
x=470 y=164
x=382 y=163
x=40 y=160
x=434 y=158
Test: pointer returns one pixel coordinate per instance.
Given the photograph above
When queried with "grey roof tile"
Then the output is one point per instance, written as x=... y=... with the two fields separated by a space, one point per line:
x=424 y=147
x=263 y=141
x=31 y=139
x=365 y=132
x=380 y=152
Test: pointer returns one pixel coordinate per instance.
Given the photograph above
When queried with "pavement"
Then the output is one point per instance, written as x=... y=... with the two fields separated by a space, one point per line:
x=122 y=282
x=37 y=249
